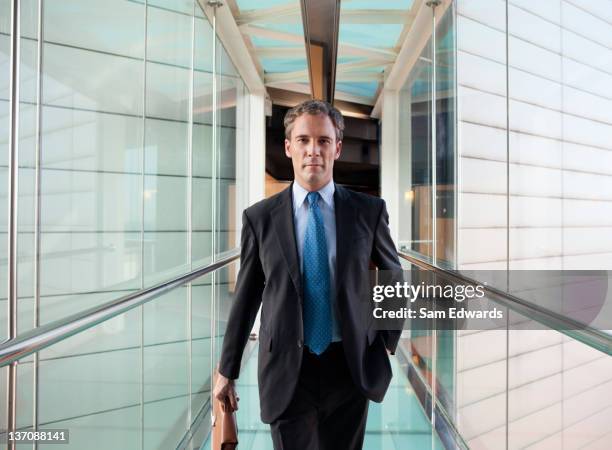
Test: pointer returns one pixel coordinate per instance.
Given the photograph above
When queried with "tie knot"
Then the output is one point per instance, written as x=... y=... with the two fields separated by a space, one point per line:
x=313 y=197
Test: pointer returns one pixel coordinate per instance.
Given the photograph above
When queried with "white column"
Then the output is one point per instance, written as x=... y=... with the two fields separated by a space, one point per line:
x=256 y=148
x=256 y=158
x=389 y=158
x=241 y=158
x=250 y=153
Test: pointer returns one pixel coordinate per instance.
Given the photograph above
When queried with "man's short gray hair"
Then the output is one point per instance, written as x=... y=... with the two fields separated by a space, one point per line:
x=314 y=107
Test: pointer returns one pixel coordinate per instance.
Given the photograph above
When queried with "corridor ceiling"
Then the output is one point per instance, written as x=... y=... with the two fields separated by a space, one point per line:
x=371 y=34
x=274 y=35
x=369 y=38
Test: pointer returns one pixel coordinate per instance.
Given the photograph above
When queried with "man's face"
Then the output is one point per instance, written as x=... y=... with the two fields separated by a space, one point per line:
x=313 y=148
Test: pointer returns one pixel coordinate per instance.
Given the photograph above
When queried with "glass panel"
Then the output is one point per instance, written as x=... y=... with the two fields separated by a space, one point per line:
x=416 y=164
x=446 y=191
x=85 y=24
x=167 y=363
x=125 y=383
x=91 y=384
x=536 y=222
x=559 y=391
x=587 y=397
x=227 y=208
x=399 y=422
x=481 y=147
x=415 y=158
x=78 y=78
x=169 y=35
x=202 y=217
x=224 y=192
x=27 y=150
x=5 y=46
x=201 y=362
x=415 y=224
x=560 y=123
x=470 y=385
x=481 y=359
x=91 y=147
x=226 y=153
x=183 y=6
x=480 y=381
x=166 y=369
x=203 y=46
x=202 y=142
x=445 y=140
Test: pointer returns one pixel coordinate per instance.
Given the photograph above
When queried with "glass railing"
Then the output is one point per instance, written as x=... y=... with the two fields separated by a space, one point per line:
x=540 y=379
x=133 y=373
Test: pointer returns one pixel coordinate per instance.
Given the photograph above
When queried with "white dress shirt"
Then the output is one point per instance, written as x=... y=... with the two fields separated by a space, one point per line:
x=300 y=220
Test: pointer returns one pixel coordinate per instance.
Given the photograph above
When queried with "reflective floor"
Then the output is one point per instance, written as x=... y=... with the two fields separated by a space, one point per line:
x=397 y=423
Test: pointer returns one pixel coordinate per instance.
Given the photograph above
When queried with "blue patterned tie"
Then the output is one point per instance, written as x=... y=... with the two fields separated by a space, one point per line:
x=317 y=308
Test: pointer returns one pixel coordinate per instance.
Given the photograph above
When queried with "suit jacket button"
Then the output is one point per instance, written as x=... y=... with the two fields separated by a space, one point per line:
x=300 y=343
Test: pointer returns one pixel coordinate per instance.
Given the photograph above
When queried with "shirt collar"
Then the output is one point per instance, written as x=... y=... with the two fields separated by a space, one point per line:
x=327 y=193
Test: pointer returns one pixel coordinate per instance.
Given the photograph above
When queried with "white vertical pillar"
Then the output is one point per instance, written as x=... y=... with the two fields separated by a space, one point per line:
x=389 y=158
x=256 y=157
x=256 y=148
x=241 y=158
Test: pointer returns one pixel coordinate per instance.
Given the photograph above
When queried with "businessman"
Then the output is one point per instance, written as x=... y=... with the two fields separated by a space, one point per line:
x=305 y=258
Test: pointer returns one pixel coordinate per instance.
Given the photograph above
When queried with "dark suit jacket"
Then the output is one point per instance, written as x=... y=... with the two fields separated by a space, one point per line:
x=270 y=275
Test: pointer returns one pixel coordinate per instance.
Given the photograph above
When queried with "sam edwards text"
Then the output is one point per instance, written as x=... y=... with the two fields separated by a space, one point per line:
x=425 y=313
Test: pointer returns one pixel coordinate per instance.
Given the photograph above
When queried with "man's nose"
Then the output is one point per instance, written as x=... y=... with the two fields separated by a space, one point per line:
x=313 y=149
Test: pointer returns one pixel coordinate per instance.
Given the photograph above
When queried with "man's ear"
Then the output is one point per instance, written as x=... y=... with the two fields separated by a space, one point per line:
x=288 y=148
x=338 y=149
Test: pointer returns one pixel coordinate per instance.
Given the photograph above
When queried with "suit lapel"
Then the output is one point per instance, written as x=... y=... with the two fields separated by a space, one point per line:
x=282 y=218
x=345 y=223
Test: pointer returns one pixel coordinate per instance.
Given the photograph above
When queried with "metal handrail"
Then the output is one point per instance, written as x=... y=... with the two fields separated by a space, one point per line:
x=41 y=337
x=590 y=336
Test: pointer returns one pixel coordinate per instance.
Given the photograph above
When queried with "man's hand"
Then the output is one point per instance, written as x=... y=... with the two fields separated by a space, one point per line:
x=224 y=388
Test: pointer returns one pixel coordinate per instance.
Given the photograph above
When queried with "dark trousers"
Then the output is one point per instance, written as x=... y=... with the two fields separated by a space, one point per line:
x=327 y=412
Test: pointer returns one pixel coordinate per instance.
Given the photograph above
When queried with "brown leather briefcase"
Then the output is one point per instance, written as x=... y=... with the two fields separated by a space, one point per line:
x=225 y=431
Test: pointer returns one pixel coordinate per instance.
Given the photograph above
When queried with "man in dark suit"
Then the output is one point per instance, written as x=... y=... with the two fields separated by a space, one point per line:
x=305 y=257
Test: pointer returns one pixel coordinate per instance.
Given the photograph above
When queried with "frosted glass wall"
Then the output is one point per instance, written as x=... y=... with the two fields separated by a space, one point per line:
x=557 y=122
x=534 y=150
x=533 y=127
x=130 y=144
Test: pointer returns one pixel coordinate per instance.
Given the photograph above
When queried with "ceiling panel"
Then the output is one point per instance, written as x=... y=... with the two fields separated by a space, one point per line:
x=274 y=34
x=368 y=41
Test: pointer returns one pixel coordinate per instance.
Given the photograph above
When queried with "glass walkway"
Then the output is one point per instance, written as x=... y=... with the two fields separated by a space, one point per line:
x=397 y=423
